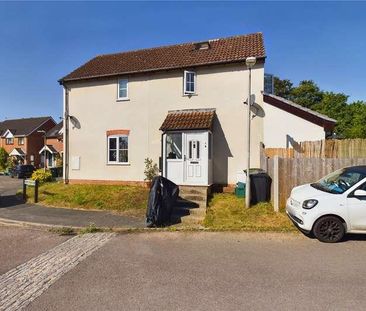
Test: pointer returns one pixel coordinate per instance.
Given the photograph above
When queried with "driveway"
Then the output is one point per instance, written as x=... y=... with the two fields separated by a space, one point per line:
x=9 y=186
x=199 y=271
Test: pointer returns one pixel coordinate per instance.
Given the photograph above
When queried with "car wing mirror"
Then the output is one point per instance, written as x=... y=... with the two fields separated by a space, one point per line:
x=360 y=193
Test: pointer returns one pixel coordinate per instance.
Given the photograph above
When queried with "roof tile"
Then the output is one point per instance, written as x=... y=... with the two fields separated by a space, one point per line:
x=190 y=119
x=185 y=55
x=22 y=127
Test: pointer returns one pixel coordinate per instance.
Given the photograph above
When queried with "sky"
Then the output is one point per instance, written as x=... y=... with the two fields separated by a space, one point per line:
x=40 y=42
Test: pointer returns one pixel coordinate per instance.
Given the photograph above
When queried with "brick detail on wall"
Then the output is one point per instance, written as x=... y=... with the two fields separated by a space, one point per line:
x=118 y=132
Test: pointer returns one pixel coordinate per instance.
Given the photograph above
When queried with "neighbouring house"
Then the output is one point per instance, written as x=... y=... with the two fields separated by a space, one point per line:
x=23 y=138
x=182 y=106
x=53 y=149
x=287 y=123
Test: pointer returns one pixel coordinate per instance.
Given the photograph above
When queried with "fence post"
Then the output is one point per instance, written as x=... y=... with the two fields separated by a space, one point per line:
x=24 y=190
x=36 y=191
x=276 y=193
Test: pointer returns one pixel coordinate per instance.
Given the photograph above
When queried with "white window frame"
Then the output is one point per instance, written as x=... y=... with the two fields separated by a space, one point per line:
x=20 y=141
x=9 y=141
x=118 y=150
x=185 y=91
x=118 y=84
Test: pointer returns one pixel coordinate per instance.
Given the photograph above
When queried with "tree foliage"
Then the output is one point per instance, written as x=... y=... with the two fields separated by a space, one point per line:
x=351 y=117
x=3 y=158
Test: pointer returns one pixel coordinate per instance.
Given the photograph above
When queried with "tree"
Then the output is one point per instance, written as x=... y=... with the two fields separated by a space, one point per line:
x=351 y=117
x=3 y=158
x=355 y=120
x=334 y=105
x=282 y=88
x=307 y=94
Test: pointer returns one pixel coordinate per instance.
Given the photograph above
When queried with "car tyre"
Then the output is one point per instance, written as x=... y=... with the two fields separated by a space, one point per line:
x=329 y=229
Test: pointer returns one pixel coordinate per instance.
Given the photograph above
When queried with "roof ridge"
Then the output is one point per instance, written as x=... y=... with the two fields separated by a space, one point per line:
x=192 y=110
x=178 y=44
x=43 y=117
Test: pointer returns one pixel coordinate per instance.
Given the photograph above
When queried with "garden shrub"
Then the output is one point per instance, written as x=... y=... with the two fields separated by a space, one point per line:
x=42 y=176
x=151 y=169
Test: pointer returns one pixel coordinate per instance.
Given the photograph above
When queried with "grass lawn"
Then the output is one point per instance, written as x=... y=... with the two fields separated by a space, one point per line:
x=227 y=212
x=129 y=200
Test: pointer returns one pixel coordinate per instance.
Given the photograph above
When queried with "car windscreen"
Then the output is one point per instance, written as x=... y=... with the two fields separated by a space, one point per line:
x=339 y=181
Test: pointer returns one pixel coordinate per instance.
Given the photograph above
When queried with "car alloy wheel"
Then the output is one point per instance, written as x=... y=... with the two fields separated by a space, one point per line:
x=329 y=229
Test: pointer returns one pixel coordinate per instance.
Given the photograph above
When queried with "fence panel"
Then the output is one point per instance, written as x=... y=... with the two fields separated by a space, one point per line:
x=297 y=171
x=330 y=148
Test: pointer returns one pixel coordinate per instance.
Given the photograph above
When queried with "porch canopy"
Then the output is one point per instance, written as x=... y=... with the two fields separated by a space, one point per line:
x=187 y=146
x=188 y=119
x=48 y=148
x=17 y=152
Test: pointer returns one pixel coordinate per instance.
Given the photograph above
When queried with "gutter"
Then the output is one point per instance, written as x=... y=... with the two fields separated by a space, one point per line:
x=162 y=69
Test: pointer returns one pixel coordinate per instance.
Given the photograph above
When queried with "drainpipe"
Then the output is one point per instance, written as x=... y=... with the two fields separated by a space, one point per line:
x=66 y=135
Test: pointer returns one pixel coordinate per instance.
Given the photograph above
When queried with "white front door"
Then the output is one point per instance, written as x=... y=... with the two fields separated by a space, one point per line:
x=195 y=158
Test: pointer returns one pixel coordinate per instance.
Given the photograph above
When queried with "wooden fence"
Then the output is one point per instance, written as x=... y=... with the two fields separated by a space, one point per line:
x=329 y=148
x=287 y=173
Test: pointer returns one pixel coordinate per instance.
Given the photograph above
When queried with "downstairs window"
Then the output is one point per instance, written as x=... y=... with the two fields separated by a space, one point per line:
x=118 y=149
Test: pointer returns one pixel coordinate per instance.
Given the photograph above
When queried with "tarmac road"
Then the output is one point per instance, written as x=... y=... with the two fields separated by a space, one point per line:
x=213 y=271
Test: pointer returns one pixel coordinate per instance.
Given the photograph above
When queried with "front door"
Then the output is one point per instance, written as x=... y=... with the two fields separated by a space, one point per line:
x=195 y=158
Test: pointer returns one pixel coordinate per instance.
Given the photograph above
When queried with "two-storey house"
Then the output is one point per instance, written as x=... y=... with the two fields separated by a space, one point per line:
x=23 y=138
x=181 y=105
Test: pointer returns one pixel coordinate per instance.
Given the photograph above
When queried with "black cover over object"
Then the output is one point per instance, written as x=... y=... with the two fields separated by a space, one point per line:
x=260 y=188
x=162 y=197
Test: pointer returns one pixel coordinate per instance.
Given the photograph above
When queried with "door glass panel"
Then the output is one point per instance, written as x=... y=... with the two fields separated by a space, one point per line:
x=209 y=146
x=174 y=146
x=198 y=149
x=190 y=150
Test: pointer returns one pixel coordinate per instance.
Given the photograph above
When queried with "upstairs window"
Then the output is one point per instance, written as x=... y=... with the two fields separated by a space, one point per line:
x=9 y=141
x=118 y=149
x=189 y=83
x=21 y=141
x=122 y=89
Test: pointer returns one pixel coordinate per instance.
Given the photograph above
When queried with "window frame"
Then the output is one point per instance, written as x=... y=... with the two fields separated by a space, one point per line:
x=118 y=90
x=20 y=141
x=9 y=139
x=109 y=162
x=185 y=91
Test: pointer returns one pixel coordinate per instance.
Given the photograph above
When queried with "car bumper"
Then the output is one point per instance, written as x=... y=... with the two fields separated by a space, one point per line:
x=299 y=217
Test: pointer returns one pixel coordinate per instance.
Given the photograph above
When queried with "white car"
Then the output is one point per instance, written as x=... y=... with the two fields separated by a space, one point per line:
x=331 y=207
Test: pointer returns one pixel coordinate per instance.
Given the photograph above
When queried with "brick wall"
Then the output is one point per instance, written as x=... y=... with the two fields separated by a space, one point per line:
x=56 y=143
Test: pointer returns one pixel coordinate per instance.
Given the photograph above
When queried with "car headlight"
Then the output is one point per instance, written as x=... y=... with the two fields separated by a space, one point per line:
x=309 y=204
